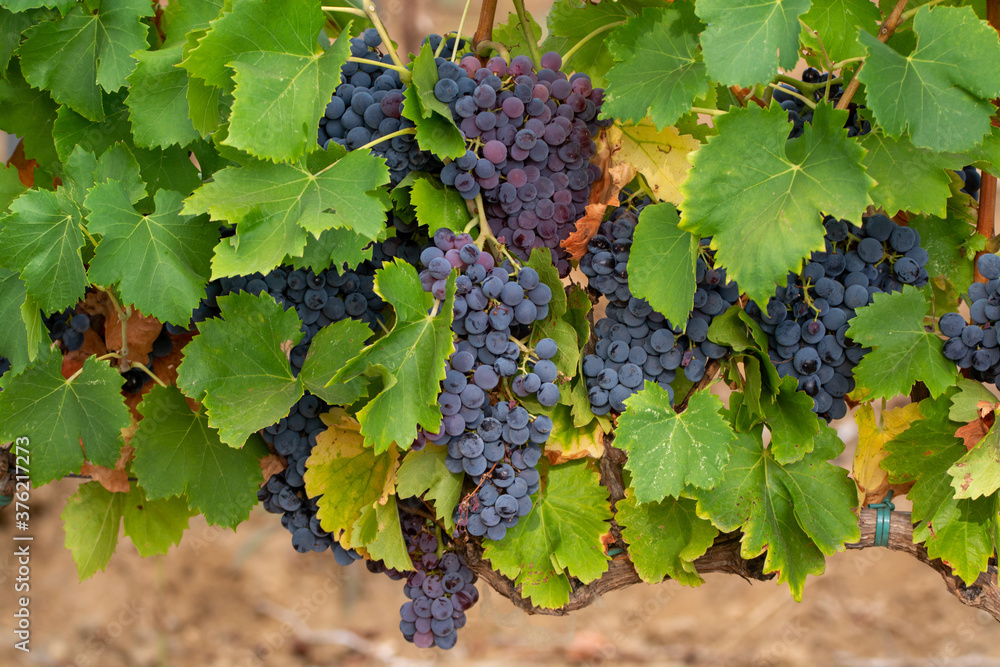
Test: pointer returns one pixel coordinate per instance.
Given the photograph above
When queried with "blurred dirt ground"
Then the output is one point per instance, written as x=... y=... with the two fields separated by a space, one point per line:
x=247 y=599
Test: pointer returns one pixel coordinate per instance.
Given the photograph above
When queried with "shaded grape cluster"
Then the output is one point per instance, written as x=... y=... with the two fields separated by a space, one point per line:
x=974 y=346
x=284 y=493
x=530 y=138
x=635 y=343
x=68 y=327
x=368 y=105
x=800 y=114
x=439 y=590
x=808 y=317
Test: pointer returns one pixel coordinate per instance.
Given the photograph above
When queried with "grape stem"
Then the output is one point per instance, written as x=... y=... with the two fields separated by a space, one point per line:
x=804 y=87
x=709 y=112
x=401 y=70
x=485 y=46
x=345 y=10
x=520 y=344
x=583 y=42
x=377 y=22
x=848 y=61
x=461 y=24
x=809 y=103
x=376 y=142
x=524 y=20
x=884 y=33
x=486 y=234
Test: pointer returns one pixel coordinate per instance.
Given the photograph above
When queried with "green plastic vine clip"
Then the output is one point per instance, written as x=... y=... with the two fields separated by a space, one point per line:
x=882 y=520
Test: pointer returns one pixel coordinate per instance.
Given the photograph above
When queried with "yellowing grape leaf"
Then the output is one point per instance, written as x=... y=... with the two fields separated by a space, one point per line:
x=872 y=481
x=568 y=442
x=348 y=476
x=660 y=156
x=423 y=473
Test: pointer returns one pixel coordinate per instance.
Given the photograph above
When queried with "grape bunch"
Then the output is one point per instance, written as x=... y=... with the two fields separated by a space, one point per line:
x=530 y=140
x=367 y=105
x=634 y=342
x=807 y=319
x=972 y=180
x=541 y=376
x=974 y=346
x=799 y=114
x=439 y=590
x=68 y=327
x=284 y=493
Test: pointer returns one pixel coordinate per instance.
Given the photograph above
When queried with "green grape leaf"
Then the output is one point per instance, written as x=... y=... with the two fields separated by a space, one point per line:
x=142 y=252
x=91 y=519
x=275 y=205
x=909 y=178
x=904 y=351
x=959 y=531
x=350 y=477
x=157 y=99
x=283 y=78
x=944 y=240
x=796 y=513
x=15 y=338
x=668 y=451
x=541 y=261
x=510 y=34
x=181 y=18
x=664 y=538
x=562 y=332
x=334 y=346
x=154 y=525
x=378 y=531
x=746 y=41
x=410 y=360
x=965 y=402
x=560 y=538
x=42 y=235
x=570 y=21
x=12 y=26
x=838 y=22
x=30 y=114
x=23 y=5
x=764 y=220
x=434 y=132
x=335 y=246
x=661 y=266
x=59 y=415
x=977 y=473
x=793 y=424
x=71 y=130
x=658 y=69
x=238 y=366
x=423 y=473
x=425 y=76
x=169 y=168
x=178 y=453
x=437 y=206
x=72 y=56
x=942 y=90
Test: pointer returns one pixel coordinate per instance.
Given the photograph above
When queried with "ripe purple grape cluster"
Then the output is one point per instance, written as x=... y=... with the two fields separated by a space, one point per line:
x=807 y=319
x=541 y=375
x=974 y=346
x=368 y=105
x=530 y=138
x=634 y=342
x=284 y=493
x=799 y=114
x=439 y=590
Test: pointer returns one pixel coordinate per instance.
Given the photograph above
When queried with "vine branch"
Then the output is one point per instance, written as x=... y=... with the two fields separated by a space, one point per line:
x=724 y=557
x=484 y=31
x=884 y=33
x=988 y=186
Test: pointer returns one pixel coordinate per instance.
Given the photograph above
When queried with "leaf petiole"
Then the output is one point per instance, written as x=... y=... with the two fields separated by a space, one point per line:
x=583 y=42
x=523 y=19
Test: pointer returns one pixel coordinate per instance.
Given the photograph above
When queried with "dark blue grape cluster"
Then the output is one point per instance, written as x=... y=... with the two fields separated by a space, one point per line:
x=974 y=346
x=284 y=493
x=541 y=375
x=368 y=105
x=530 y=138
x=972 y=179
x=439 y=590
x=799 y=114
x=634 y=342
x=68 y=327
x=807 y=319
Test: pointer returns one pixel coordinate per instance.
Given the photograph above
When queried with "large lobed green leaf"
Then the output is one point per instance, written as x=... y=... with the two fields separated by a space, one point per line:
x=942 y=90
x=410 y=360
x=796 y=513
x=561 y=537
x=59 y=415
x=761 y=196
x=178 y=453
x=661 y=265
